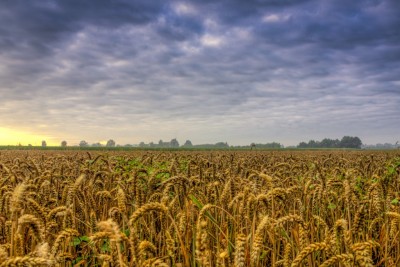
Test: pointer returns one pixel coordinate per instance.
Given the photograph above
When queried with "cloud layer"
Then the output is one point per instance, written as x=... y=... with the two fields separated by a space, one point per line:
x=236 y=71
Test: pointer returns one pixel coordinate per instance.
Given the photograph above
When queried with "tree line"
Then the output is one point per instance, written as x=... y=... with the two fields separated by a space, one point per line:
x=161 y=144
x=175 y=144
x=345 y=142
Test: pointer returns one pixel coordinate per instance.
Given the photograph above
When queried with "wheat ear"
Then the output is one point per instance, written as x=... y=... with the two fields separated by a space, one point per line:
x=308 y=250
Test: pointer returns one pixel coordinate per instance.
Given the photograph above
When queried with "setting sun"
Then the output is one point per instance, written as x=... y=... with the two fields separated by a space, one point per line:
x=16 y=137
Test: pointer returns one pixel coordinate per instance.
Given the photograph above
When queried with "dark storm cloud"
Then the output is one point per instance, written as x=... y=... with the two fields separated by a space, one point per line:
x=172 y=26
x=225 y=70
x=34 y=26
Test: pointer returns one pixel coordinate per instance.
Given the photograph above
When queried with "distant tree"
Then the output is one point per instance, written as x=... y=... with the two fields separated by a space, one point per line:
x=110 y=143
x=302 y=145
x=326 y=142
x=29 y=145
x=94 y=145
x=252 y=146
x=44 y=143
x=329 y=143
x=350 y=142
x=174 y=143
x=336 y=143
x=188 y=143
x=221 y=145
x=312 y=143
x=83 y=143
x=64 y=143
x=160 y=143
x=142 y=144
x=270 y=145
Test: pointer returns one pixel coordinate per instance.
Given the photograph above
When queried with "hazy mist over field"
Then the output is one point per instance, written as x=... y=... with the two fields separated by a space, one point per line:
x=208 y=71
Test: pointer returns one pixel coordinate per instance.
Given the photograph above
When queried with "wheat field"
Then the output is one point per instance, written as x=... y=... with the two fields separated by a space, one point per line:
x=200 y=208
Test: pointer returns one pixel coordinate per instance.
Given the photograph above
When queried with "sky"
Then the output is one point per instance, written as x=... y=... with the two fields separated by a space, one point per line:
x=237 y=71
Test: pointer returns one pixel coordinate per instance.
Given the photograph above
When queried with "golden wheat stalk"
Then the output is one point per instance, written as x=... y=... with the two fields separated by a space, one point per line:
x=26 y=261
x=343 y=258
x=307 y=251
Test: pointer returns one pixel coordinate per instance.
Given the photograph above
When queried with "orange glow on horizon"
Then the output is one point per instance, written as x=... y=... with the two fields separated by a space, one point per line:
x=15 y=137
